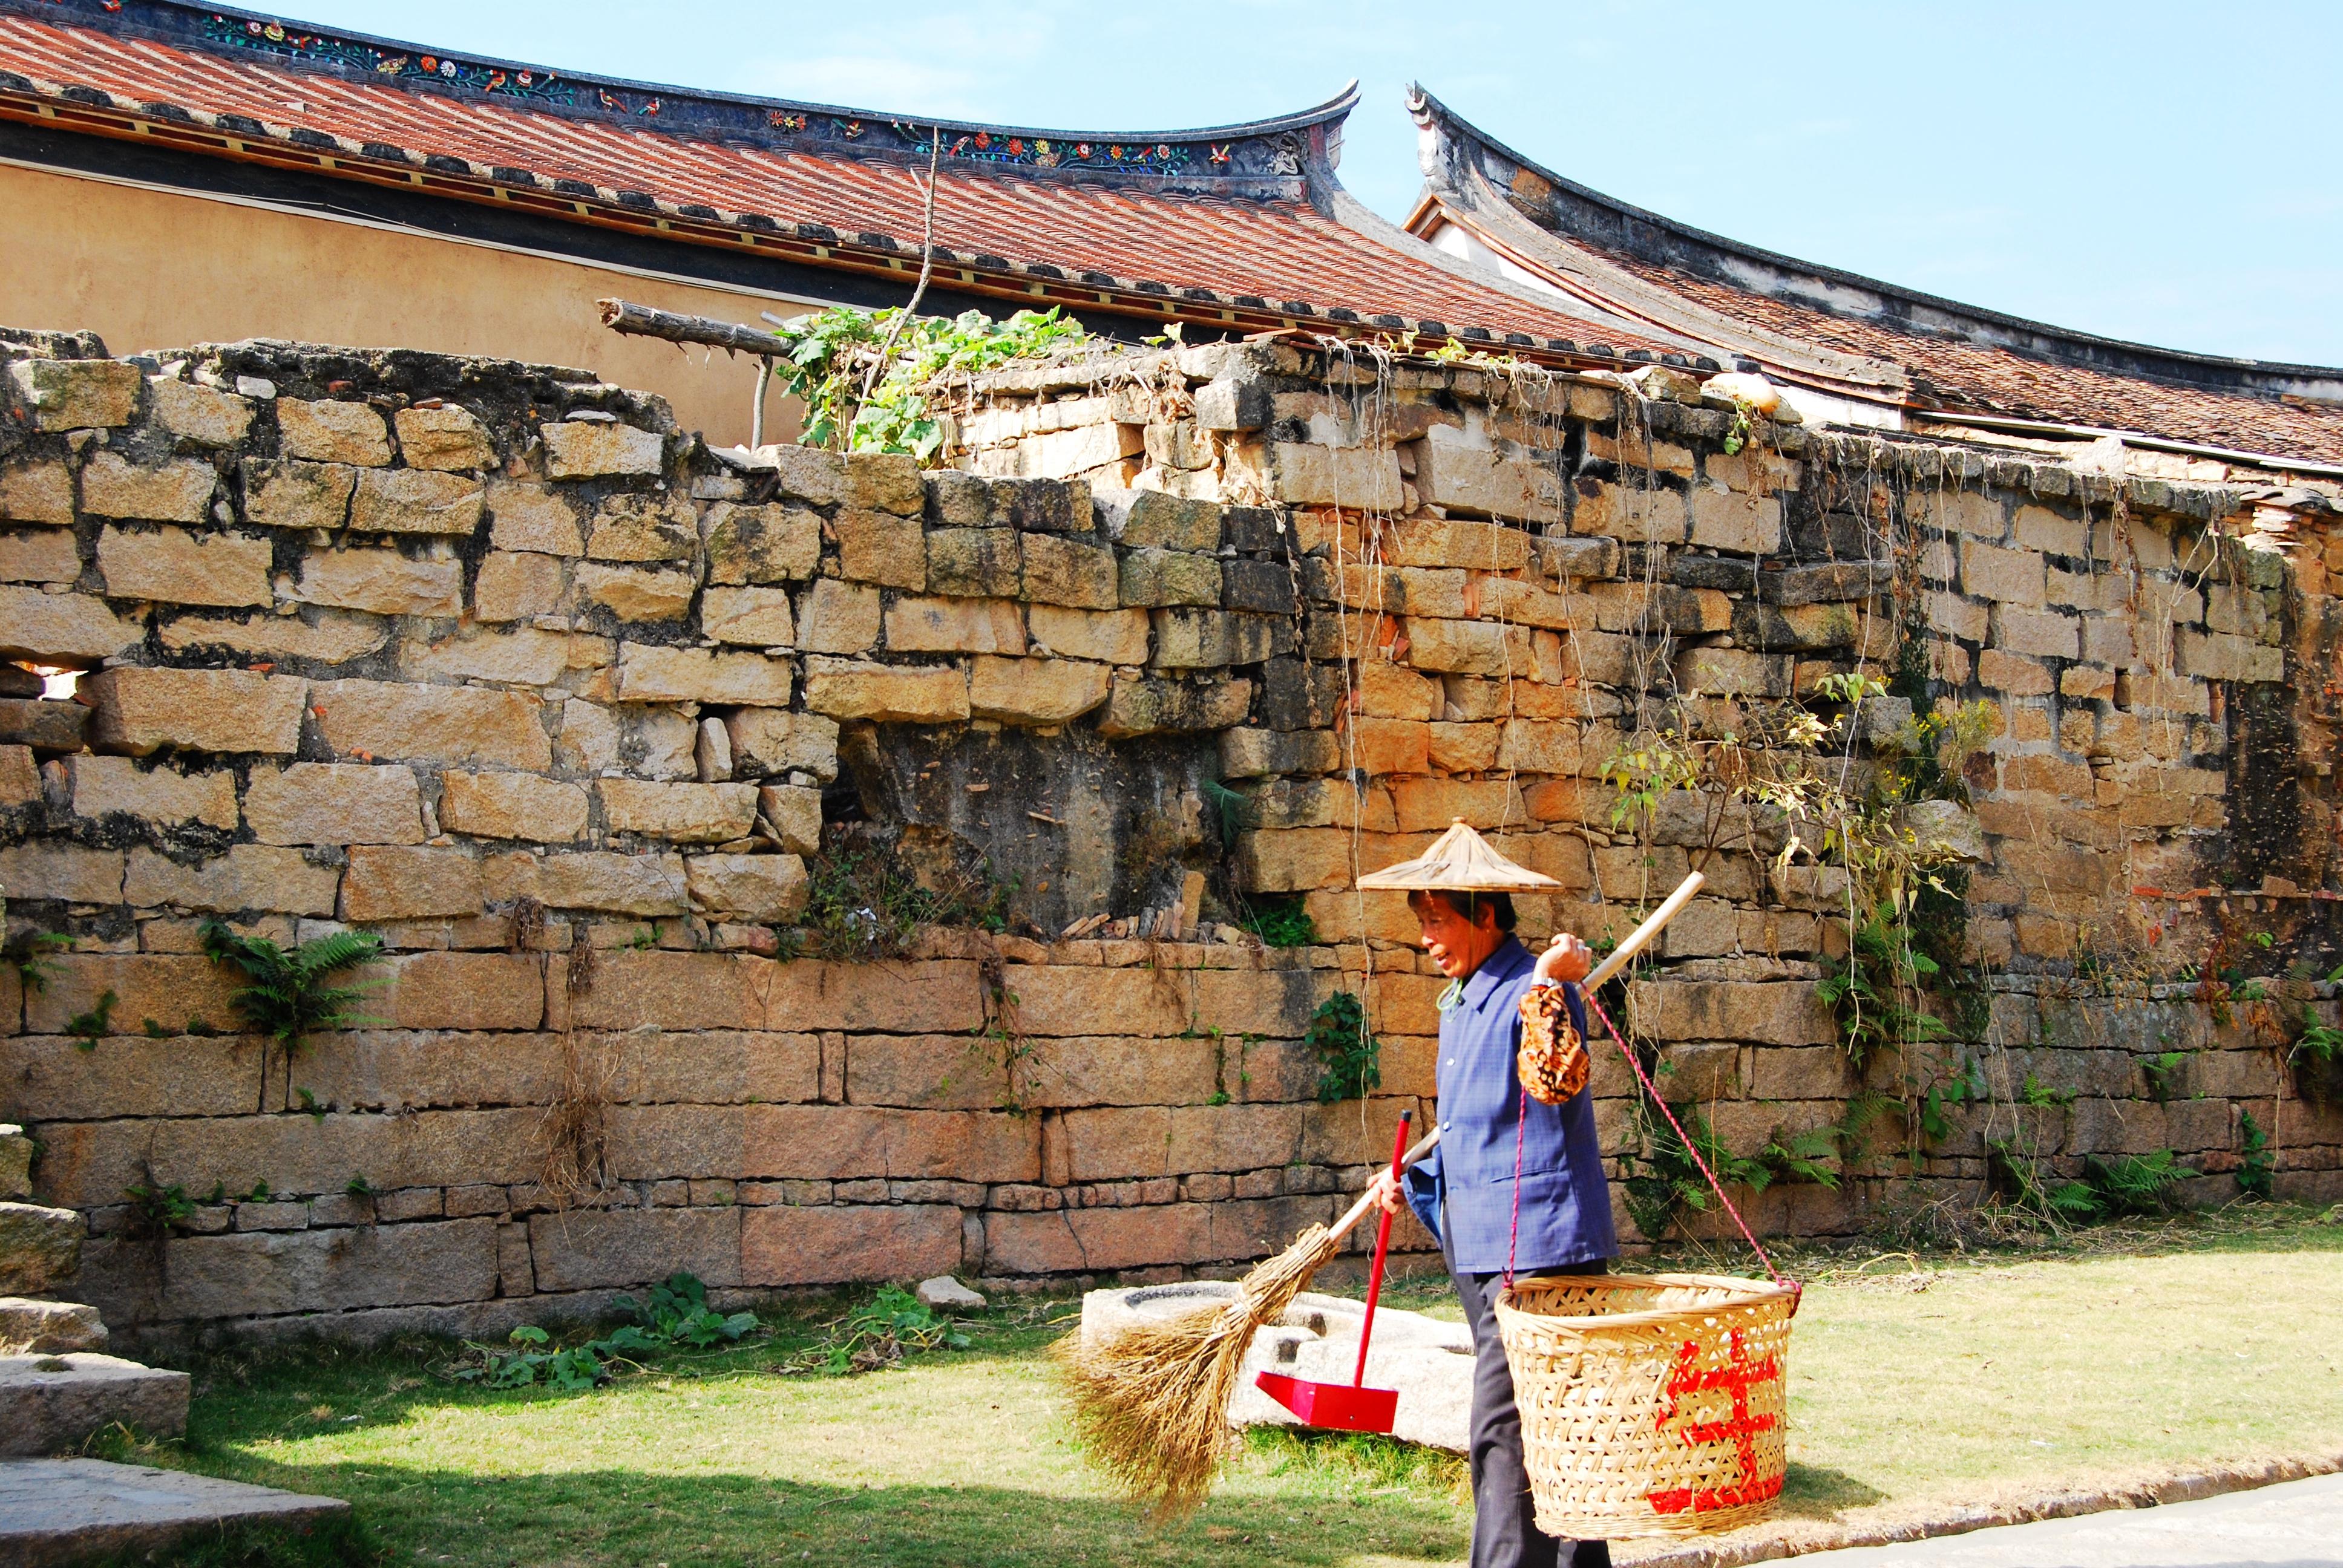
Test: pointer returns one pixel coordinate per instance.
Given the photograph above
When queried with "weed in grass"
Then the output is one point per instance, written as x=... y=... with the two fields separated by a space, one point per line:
x=895 y=1323
x=675 y=1316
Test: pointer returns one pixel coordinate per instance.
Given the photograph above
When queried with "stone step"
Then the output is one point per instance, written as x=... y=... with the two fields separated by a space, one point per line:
x=39 y=1246
x=48 y=1404
x=59 y=1511
x=49 y=1328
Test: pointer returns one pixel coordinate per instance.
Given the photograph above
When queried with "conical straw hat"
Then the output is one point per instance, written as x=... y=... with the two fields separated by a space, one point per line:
x=1461 y=859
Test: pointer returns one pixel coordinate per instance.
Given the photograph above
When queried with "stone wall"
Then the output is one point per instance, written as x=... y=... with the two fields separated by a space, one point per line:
x=493 y=662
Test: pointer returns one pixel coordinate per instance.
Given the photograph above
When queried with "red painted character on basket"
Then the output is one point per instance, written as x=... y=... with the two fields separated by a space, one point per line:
x=1515 y=1187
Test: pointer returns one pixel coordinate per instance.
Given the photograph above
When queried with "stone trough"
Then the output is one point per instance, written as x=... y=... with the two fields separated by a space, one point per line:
x=1429 y=1362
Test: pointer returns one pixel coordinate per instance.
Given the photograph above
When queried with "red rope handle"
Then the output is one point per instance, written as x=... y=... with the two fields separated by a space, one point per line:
x=1681 y=1137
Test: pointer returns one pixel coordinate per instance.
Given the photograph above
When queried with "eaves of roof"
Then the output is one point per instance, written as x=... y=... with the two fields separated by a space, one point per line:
x=1235 y=228
x=1852 y=336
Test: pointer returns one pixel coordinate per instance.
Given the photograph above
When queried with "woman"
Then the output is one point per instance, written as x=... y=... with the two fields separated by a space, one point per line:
x=1555 y=1218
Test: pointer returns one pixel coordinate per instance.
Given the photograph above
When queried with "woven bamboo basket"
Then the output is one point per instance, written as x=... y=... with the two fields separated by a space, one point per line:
x=1652 y=1405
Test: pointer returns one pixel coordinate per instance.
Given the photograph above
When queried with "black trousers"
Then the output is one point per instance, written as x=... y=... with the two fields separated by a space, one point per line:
x=1504 y=1523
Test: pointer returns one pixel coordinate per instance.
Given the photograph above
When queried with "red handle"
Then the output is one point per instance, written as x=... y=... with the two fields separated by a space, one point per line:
x=1382 y=1245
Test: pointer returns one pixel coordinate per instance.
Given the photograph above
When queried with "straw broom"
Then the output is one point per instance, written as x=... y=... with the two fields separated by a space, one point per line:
x=1150 y=1404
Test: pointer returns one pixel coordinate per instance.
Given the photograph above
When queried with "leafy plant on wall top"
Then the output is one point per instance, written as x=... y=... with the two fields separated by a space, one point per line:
x=855 y=403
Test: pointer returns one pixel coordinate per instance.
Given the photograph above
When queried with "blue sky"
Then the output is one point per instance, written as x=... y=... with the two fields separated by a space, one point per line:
x=2152 y=171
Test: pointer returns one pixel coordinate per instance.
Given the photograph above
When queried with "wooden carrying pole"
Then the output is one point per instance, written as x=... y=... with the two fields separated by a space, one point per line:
x=1637 y=939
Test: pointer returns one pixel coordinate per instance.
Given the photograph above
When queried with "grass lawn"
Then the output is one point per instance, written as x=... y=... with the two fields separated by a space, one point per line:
x=1914 y=1377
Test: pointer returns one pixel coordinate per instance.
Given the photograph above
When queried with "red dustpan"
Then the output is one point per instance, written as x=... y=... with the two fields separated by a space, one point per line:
x=1350 y=1406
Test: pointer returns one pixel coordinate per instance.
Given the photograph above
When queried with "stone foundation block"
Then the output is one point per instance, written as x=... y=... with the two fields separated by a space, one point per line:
x=51 y=1404
x=837 y=1244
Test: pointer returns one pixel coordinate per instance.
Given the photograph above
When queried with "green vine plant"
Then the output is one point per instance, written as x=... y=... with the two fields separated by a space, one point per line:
x=830 y=358
x=676 y=1317
x=286 y=994
x=1349 y=1058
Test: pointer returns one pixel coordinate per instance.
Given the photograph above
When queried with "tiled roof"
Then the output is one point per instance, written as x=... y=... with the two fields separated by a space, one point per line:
x=1241 y=227
x=1851 y=335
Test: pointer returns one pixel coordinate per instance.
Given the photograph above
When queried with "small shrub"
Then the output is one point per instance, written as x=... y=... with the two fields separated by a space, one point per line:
x=677 y=1316
x=31 y=956
x=158 y=1210
x=2163 y=1072
x=2256 y=1165
x=1281 y=922
x=1350 y=1057
x=895 y=1323
x=93 y=1026
x=1666 y=1180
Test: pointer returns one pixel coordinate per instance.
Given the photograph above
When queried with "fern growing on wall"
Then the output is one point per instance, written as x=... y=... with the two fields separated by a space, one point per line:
x=285 y=995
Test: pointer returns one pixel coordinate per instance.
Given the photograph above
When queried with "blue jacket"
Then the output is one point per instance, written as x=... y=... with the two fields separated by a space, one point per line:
x=1463 y=1190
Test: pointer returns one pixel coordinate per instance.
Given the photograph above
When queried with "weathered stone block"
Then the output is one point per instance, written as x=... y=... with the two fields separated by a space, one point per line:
x=2045 y=633
x=254 y=877
x=1159 y=578
x=295 y=494
x=329 y=431
x=39 y=1247
x=1748 y=525
x=1764 y=1014
x=49 y=1328
x=762 y=545
x=838 y=617
x=173 y=989
x=689 y=813
x=856 y=688
x=1035 y=690
x=334 y=803
x=522 y=657
x=1143 y=519
x=1629 y=512
x=2217 y=656
x=1479 y=482
x=1262 y=753
x=649 y=672
x=1470 y=648
x=139 y=711
x=1358 y=478
x=75 y=393
x=103 y=786
x=876 y=548
x=767 y=742
x=512 y=806
x=888 y=481
x=37 y=492
x=409 y=884
x=523 y=515
x=645 y=885
x=42 y=724
x=2010 y=577
x=1150 y=705
x=177 y=566
x=772 y=888
x=636 y=593
x=756 y=617
x=384 y=582
x=431 y=723
x=835 y=1245
x=955 y=626
x=975 y=562
x=177 y=490
x=65 y=871
x=415 y=501
x=643 y=528
x=1732 y=672
x=1209 y=638
x=446 y=437
x=201 y=415
x=580 y=450
x=1109 y=637
x=793 y=812
x=268 y=1273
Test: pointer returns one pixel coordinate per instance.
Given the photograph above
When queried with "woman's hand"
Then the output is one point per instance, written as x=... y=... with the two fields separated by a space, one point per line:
x=1385 y=1191
x=1566 y=960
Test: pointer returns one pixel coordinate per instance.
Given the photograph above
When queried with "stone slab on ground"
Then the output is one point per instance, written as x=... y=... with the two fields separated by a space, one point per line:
x=2293 y=1524
x=60 y=1511
x=49 y=1328
x=1870 y=1537
x=52 y=1403
x=1429 y=1362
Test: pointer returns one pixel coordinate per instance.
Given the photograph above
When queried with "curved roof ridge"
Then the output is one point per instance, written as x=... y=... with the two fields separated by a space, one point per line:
x=1434 y=115
x=1252 y=150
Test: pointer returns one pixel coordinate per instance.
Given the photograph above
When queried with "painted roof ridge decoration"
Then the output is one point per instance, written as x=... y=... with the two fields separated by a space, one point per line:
x=1269 y=151
x=1237 y=255
x=1850 y=336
